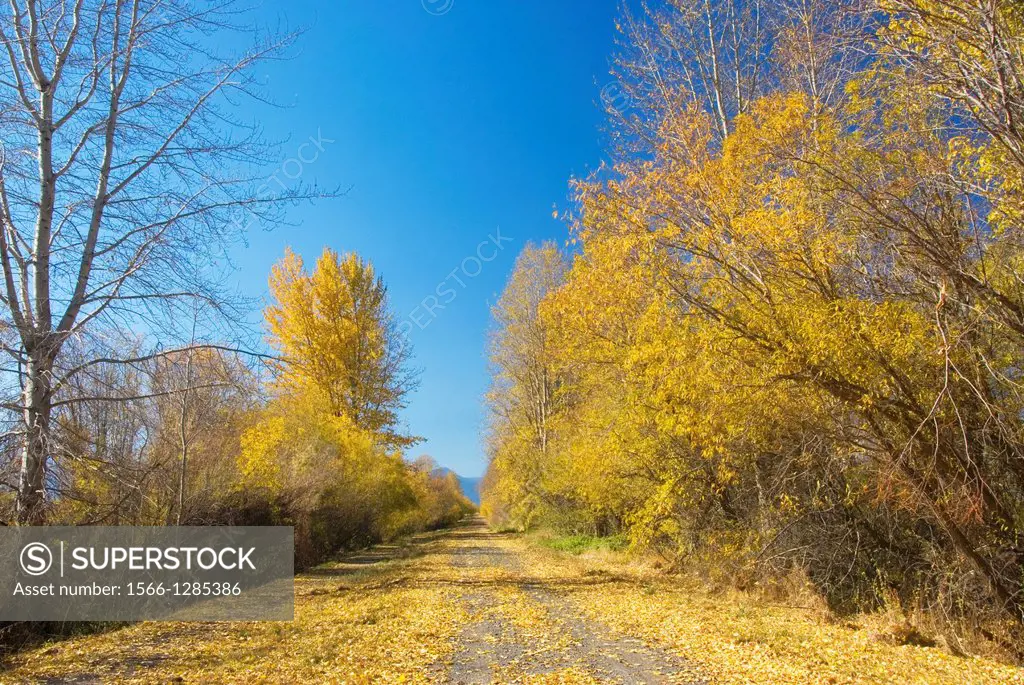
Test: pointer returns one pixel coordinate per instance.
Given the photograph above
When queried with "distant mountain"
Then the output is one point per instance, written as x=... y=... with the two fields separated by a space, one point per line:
x=470 y=488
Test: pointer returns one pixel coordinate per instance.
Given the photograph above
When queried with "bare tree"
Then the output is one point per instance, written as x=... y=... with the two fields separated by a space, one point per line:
x=123 y=177
x=120 y=439
x=706 y=53
x=721 y=56
x=819 y=46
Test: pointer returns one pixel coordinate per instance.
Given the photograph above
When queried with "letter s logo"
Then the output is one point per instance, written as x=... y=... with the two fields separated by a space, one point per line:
x=36 y=558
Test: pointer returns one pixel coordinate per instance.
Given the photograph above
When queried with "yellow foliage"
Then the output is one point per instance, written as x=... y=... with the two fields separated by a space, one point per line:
x=335 y=332
x=801 y=328
x=258 y=462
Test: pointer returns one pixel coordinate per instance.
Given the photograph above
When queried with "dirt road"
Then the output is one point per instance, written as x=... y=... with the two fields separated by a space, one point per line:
x=522 y=624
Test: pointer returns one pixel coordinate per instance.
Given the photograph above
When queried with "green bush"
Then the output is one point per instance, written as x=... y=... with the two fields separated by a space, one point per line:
x=578 y=544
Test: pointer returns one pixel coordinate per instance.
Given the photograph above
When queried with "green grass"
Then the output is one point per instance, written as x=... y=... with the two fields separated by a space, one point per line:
x=578 y=544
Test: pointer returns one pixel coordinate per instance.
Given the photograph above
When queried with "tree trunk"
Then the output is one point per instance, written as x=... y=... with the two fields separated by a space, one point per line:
x=183 y=437
x=37 y=397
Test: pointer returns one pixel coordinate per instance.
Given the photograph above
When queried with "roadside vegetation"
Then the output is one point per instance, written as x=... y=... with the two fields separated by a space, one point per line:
x=312 y=442
x=578 y=544
x=309 y=438
x=785 y=339
x=735 y=637
x=763 y=411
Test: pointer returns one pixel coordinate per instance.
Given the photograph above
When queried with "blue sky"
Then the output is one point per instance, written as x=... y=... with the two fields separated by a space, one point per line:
x=445 y=126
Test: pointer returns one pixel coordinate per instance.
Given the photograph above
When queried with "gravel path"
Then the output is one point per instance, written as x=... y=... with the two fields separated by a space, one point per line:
x=557 y=641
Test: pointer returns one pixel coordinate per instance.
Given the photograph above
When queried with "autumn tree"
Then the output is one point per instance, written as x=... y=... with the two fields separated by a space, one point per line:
x=720 y=56
x=150 y=443
x=336 y=333
x=969 y=54
x=201 y=400
x=326 y=446
x=525 y=393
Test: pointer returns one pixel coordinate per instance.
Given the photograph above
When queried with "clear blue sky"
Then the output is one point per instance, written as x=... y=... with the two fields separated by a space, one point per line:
x=446 y=126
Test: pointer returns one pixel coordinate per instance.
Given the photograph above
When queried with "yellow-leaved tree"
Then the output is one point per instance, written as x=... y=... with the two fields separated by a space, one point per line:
x=327 y=446
x=333 y=328
x=525 y=400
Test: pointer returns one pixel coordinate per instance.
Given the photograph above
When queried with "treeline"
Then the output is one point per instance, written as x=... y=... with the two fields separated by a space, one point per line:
x=201 y=437
x=788 y=335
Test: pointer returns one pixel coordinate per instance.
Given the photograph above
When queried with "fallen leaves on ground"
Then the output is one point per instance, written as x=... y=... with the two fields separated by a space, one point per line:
x=350 y=626
x=402 y=620
x=737 y=639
